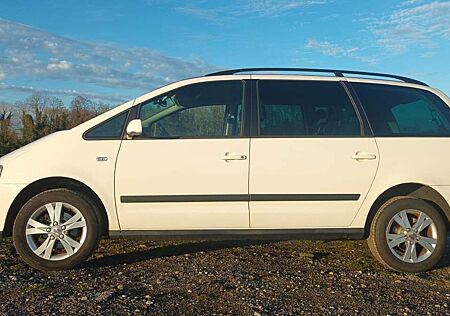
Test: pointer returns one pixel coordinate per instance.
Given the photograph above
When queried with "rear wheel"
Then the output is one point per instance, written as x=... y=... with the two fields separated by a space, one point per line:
x=408 y=235
x=56 y=230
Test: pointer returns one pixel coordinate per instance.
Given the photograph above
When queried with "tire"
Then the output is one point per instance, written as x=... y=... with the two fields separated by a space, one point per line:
x=415 y=249
x=49 y=247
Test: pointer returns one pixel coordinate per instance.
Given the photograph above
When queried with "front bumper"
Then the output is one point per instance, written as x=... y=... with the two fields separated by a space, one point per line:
x=8 y=192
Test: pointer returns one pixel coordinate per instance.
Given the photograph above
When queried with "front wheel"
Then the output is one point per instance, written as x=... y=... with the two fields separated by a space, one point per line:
x=56 y=230
x=408 y=235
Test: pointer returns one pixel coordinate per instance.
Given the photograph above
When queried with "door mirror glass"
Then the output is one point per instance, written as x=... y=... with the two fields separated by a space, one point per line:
x=134 y=128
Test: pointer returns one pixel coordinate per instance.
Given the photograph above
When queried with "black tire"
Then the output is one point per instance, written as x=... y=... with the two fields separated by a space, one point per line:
x=87 y=209
x=378 y=242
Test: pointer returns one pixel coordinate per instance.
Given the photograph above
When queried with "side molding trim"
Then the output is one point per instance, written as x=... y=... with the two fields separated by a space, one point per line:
x=237 y=198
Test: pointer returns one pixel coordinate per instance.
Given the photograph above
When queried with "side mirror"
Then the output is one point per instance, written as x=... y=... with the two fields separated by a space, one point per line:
x=134 y=128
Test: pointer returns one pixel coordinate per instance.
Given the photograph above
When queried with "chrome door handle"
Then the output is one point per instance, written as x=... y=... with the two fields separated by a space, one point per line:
x=360 y=155
x=233 y=156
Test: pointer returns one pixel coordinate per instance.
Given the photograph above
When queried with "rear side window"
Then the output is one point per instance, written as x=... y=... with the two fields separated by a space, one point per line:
x=403 y=111
x=110 y=129
x=305 y=108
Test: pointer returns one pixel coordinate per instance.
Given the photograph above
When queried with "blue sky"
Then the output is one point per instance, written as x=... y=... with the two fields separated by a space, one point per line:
x=115 y=50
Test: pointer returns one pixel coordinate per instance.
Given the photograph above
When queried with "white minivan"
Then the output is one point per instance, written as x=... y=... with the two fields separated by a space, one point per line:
x=276 y=153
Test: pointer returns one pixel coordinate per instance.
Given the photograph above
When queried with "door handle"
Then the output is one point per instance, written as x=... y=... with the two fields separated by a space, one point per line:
x=233 y=156
x=361 y=155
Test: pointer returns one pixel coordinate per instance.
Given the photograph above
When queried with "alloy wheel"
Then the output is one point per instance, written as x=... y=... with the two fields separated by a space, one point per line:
x=412 y=236
x=56 y=231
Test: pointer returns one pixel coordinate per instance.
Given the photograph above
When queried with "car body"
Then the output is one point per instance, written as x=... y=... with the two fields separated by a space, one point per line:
x=324 y=178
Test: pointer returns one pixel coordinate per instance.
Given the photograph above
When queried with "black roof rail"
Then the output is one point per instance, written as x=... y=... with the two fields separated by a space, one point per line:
x=337 y=73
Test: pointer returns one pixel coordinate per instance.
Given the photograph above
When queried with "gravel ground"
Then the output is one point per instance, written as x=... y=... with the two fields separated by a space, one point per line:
x=223 y=277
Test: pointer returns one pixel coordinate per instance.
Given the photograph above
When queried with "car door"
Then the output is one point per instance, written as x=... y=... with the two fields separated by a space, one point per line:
x=310 y=165
x=189 y=169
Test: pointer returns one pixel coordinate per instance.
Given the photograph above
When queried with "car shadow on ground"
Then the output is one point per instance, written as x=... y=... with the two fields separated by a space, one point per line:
x=187 y=248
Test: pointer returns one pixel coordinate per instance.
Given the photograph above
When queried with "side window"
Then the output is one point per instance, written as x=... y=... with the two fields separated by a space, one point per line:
x=110 y=129
x=306 y=108
x=403 y=111
x=210 y=109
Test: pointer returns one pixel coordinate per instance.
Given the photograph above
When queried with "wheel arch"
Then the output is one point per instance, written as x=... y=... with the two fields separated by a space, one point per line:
x=54 y=183
x=417 y=190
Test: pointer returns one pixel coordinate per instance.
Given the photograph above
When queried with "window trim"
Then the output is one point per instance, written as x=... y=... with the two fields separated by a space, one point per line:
x=383 y=135
x=85 y=137
x=243 y=113
x=357 y=102
x=347 y=92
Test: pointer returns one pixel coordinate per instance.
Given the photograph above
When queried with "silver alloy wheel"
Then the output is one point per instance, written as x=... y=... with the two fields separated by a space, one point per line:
x=411 y=236
x=56 y=231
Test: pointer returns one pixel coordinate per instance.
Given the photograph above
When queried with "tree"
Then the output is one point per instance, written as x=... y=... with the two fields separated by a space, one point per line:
x=34 y=125
x=28 y=128
x=40 y=115
x=56 y=115
x=80 y=110
x=43 y=115
x=8 y=138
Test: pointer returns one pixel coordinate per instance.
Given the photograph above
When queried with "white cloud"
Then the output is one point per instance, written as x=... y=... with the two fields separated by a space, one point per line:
x=211 y=15
x=59 y=65
x=335 y=50
x=278 y=7
x=93 y=95
x=2 y=74
x=419 y=25
x=29 y=52
x=262 y=8
x=325 y=48
x=411 y=2
x=428 y=54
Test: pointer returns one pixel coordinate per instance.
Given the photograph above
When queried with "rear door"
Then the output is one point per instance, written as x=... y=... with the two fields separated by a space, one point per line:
x=311 y=166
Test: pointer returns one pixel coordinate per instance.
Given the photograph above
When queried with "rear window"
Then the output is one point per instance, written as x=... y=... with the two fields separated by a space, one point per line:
x=403 y=111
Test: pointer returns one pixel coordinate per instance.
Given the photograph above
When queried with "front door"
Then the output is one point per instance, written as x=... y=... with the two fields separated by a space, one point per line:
x=310 y=165
x=189 y=169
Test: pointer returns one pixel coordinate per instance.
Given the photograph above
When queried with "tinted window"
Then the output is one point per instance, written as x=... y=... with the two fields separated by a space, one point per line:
x=405 y=111
x=306 y=108
x=111 y=129
x=211 y=109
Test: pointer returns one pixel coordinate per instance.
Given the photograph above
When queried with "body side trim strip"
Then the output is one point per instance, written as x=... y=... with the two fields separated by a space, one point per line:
x=183 y=198
x=238 y=198
x=304 y=197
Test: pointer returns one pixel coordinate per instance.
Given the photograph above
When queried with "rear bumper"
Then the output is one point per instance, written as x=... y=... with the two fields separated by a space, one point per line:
x=8 y=192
